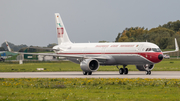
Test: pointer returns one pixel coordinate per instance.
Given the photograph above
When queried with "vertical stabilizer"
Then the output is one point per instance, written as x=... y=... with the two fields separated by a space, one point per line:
x=61 y=31
x=9 y=49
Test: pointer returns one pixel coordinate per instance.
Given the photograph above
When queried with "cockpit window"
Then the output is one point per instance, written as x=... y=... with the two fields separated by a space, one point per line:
x=148 y=49
x=156 y=49
x=153 y=49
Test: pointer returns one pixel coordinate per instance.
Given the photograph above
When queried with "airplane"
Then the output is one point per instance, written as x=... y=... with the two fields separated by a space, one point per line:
x=144 y=55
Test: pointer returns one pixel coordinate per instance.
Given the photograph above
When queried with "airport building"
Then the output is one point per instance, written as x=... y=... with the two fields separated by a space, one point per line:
x=6 y=54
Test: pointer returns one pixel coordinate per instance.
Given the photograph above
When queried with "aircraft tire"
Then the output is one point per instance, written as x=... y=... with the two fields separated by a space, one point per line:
x=89 y=73
x=149 y=72
x=84 y=73
x=125 y=71
x=121 y=71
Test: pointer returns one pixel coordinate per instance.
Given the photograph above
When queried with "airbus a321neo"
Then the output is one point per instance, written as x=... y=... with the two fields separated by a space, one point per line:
x=91 y=55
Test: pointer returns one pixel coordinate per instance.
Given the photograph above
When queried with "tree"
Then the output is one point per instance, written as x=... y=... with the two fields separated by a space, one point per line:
x=2 y=49
x=103 y=41
x=117 y=38
x=161 y=31
x=13 y=47
x=175 y=26
x=163 y=35
x=51 y=45
x=132 y=34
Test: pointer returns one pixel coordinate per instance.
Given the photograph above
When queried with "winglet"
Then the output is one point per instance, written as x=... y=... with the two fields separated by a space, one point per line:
x=9 y=49
x=176 y=45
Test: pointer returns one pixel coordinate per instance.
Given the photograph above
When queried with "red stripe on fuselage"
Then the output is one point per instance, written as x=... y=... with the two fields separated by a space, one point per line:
x=151 y=56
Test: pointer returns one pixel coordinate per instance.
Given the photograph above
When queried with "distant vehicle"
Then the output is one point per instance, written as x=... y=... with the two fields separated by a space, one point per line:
x=1 y=59
x=166 y=56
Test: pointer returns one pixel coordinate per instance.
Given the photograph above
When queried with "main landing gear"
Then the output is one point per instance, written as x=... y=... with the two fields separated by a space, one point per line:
x=87 y=73
x=148 y=72
x=123 y=70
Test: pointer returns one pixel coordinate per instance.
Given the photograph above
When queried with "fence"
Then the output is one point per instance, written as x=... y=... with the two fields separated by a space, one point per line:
x=31 y=61
x=174 y=54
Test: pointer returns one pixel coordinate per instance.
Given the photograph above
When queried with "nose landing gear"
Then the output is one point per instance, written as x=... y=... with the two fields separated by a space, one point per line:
x=148 y=71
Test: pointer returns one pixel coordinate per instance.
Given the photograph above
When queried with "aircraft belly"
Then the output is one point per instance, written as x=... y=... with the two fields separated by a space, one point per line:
x=123 y=59
x=131 y=59
x=75 y=60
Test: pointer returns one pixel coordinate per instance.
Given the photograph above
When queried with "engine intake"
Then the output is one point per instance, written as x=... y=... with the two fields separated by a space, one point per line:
x=144 y=67
x=89 y=65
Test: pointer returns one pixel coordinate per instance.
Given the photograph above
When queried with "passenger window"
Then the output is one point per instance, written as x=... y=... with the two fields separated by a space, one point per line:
x=147 y=49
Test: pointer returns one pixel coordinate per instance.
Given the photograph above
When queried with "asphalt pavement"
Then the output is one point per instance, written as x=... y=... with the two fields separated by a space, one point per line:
x=98 y=74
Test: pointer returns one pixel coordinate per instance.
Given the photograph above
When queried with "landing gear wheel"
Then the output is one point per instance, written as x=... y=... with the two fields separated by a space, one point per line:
x=121 y=71
x=125 y=71
x=84 y=73
x=148 y=72
x=89 y=73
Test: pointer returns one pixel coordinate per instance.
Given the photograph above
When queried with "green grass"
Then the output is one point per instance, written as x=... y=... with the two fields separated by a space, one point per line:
x=12 y=58
x=78 y=89
x=32 y=67
x=165 y=65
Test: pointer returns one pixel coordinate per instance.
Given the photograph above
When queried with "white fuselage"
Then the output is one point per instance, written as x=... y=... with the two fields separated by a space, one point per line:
x=120 y=53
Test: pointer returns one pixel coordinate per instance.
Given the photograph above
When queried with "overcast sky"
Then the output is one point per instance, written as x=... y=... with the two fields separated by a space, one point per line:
x=32 y=22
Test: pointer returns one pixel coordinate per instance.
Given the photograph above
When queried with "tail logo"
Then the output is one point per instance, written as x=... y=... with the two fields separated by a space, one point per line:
x=60 y=32
x=59 y=24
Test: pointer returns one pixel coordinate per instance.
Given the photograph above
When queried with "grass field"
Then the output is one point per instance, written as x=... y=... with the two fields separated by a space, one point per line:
x=78 y=89
x=165 y=65
x=87 y=89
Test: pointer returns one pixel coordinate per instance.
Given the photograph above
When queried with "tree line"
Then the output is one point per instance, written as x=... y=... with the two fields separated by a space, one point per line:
x=163 y=35
x=25 y=48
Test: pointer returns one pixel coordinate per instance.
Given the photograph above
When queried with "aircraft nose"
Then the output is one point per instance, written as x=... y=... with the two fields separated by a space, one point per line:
x=160 y=56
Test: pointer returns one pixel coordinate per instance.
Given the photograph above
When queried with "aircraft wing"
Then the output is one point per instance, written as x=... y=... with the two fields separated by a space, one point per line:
x=80 y=57
x=45 y=48
x=176 y=48
x=99 y=58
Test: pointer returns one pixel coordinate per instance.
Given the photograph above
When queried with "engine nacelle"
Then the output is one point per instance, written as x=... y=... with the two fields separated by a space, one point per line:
x=145 y=67
x=89 y=65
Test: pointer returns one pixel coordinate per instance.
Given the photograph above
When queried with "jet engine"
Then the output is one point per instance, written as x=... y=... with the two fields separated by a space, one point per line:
x=89 y=65
x=145 y=67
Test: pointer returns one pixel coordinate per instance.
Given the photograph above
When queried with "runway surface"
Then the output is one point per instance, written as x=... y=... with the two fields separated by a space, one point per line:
x=98 y=74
